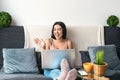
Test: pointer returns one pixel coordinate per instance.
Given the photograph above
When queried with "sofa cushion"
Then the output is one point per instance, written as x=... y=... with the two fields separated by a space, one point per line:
x=23 y=76
x=85 y=56
x=19 y=60
x=38 y=58
x=110 y=55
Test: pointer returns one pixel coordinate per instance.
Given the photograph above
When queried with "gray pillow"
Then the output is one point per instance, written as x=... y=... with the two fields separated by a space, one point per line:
x=84 y=56
x=110 y=55
x=19 y=60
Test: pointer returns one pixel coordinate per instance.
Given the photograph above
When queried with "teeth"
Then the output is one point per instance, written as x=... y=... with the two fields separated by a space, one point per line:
x=56 y=35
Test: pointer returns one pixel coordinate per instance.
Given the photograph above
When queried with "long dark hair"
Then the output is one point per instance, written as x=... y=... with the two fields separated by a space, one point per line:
x=63 y=26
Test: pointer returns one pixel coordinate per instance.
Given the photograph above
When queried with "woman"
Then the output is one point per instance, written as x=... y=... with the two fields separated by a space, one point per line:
x=58 y=40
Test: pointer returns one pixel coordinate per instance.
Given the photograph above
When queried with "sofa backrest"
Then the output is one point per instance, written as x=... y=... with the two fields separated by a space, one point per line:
x=112 y=37
x=81 y=36
x=11 y=37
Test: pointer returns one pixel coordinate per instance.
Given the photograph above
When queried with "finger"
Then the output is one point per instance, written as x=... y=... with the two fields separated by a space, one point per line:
x=37 y=39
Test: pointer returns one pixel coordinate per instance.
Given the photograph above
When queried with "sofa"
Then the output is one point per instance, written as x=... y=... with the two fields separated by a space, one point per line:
x=82 y=37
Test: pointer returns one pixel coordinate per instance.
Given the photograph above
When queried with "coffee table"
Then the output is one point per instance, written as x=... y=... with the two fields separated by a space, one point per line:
x=92 y=77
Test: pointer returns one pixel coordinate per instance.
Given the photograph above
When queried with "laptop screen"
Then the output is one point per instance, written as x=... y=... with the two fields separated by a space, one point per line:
x=51 y=59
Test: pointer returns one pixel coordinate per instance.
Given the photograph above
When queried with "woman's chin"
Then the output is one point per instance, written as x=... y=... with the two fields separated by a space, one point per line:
x=57 y=38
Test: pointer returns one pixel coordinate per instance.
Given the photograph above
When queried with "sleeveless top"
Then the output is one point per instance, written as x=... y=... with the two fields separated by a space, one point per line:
x=52 y=44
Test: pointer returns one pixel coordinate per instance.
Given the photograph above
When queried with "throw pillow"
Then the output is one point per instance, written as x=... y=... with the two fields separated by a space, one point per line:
x=85 y=56
x=110 y=55
x=19 y=60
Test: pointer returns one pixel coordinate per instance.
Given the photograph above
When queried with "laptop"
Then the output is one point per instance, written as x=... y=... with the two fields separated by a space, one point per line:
x=51 y=59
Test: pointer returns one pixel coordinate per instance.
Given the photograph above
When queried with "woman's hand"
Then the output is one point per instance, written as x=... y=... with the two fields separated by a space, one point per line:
x=40 y=42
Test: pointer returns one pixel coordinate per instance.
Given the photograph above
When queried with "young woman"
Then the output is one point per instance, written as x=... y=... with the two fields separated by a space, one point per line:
x=58 y=40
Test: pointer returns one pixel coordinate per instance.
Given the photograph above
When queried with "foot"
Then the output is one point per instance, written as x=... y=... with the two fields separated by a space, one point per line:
x=64 y=69
x=72 y=75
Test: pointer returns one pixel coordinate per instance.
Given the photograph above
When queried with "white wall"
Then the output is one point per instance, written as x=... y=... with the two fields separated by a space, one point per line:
x=72 y=12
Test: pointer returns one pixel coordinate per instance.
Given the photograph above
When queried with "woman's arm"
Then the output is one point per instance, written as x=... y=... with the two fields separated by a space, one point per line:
x=44 y=44
x=40 y=42
x=47 y=44
x=70 y=45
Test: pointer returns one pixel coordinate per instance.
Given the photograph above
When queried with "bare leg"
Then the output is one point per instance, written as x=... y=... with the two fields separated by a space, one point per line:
x=64 y=69
x=72 y=74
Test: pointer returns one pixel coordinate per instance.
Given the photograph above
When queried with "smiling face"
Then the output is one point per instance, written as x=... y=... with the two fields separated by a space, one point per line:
x=58 y=31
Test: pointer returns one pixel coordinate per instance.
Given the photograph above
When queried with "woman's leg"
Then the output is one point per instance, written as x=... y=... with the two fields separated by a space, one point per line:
x=72 y=74
x=52 y=73
x=64 y=69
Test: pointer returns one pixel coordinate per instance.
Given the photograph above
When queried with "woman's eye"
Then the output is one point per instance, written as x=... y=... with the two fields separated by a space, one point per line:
x=59 y=29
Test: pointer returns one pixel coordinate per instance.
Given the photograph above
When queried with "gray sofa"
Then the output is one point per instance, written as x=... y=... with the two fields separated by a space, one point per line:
x=13 y=37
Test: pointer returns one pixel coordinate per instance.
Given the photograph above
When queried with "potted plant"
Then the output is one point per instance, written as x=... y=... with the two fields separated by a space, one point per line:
x=99 y=66
x=5 y=19
x=113 y=21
